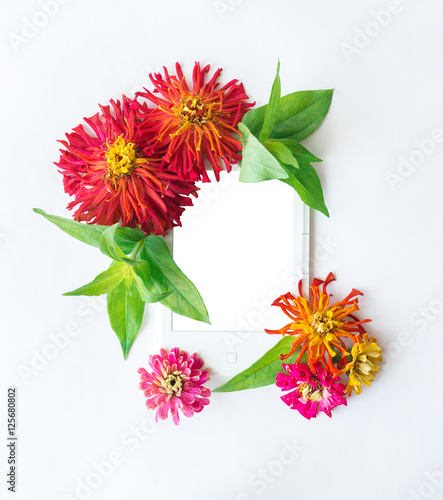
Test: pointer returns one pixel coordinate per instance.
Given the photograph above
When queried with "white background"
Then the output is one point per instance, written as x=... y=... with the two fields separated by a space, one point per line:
x=83 y=407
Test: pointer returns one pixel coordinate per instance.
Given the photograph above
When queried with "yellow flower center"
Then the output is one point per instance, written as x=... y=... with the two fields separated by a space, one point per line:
x=311 y=392
x=362 y=365
x=193 y=111
x=121 y=159
x=323 y=322
x=173 y=383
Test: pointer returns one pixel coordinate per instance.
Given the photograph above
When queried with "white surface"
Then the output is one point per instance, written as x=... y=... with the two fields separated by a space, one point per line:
x=83 y=407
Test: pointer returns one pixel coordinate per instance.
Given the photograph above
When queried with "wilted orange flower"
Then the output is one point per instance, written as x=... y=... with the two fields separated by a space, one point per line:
x=319 y=327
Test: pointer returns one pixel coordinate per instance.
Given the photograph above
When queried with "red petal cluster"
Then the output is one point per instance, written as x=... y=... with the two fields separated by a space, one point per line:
x=142 y=195
x=195 y=124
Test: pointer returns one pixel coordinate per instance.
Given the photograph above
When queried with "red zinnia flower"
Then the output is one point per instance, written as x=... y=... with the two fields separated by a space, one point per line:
x=196 y=124
x=114 y=174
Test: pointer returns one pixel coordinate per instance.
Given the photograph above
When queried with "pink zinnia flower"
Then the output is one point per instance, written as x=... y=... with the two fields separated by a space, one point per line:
x=311 y=392
x=195 y=123
x=176 y=383
x=113 y=172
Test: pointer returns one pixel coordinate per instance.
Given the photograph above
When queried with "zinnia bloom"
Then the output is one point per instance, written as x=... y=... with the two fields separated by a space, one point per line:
x=194 y=124
x=114 y=174
x=311 y=391
x=175 y=383
x=319 y=326
x=365 y=357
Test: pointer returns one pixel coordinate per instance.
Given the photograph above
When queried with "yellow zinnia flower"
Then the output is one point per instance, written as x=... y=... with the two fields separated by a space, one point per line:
x=365 y=359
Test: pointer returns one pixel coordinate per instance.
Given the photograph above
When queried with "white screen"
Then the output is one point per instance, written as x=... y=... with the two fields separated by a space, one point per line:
x=241 y=245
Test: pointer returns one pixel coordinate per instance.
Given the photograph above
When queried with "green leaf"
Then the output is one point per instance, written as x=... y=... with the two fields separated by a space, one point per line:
x=272 y=108
x=301 y=113
x=275 y=160
x=264 y=371
x=299 y=151
x=127 y=238
x=297 y=173
x=125 y=310
x=167 y=276
x=254 y=119
x=281 y=153
x=104 y=282
x=141 y=275
x=307 y=184
x=337 y=356
x=257 y=164
x=109 y=247
x=88 y=233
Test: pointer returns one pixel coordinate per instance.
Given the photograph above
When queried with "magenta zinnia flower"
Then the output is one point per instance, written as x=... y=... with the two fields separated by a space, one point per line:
x=176 y=383
x=113 y=172
x=198 y=123
x=311 y=392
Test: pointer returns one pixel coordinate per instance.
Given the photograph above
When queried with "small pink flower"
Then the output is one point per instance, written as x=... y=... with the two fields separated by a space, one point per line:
x=311 y=392
x=176 y=383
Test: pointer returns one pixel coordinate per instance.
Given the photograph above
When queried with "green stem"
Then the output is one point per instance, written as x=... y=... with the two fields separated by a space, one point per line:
x=137 y=249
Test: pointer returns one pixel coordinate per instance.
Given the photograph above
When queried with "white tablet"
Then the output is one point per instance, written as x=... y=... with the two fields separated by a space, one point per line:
x=242 y=245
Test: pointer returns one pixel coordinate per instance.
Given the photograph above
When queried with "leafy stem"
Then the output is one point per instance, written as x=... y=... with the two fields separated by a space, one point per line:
x=148 y=275
x=137 y=249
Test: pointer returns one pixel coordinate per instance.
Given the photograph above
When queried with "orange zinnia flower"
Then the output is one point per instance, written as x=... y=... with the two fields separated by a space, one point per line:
x=319 y=326
x=194 y=124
